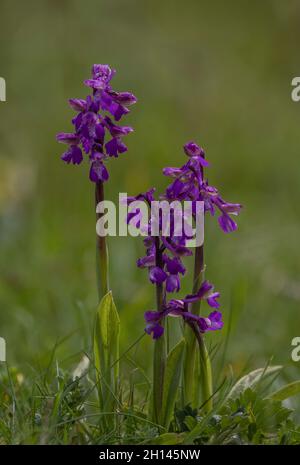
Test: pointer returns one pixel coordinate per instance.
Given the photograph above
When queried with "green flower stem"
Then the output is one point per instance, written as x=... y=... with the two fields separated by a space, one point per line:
x=159 y=356
x=191 y=392
x=101 y=249
x=205 y=375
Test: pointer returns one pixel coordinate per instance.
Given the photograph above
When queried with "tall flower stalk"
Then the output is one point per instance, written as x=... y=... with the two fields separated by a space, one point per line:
x=94 y=122
x=160 y=355
x=190 y=184
x=97 y=135
x=190 y=392
x=102 y=269
x=164 y=263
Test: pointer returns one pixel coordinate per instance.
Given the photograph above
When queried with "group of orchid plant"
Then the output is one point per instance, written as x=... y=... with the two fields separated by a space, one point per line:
x=98 y=135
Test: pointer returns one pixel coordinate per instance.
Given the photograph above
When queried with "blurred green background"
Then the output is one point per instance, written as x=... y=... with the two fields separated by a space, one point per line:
x=213 y=71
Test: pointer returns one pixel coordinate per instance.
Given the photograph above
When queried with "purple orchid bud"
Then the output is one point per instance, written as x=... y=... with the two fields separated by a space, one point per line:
x=102 y=75
x=103 y=72
x=193 y=150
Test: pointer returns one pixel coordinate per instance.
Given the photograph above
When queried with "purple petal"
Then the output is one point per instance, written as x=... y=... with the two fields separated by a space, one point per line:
x=73 y=155
x=119 y=111
x=104 y=72
x=173 y=283
x=134 y=214
x=147 y=196
x=106 y=102
x=190 y=298
x=117 y=130
x=227 y=223
x=216 y=321
x=152 y=316
x=212 y=300
x=77 y=120
x=67 y=156
x=115 y=146
x=67 y=138
x=174 y=265
x=95 y=83
x=95 y=155
x=170 y=171
x=98 y=172
x=193 y=150
x=77 y=104
x=145 y=262
x=100 y=132
x=157 y=275
x=86 y=144
x=176 y=248
x=204 y=289
x=233 y=208
x=203 y=324
x=155 y=329
x=124 y=98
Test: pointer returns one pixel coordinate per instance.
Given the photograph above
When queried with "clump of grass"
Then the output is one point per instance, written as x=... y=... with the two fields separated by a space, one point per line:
x=58 y=405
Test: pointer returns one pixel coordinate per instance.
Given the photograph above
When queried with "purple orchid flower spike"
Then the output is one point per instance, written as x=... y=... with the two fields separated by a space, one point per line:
x=164 y=262
x=189 y=184
x=92 y=124
x=164 y=254
x=97 y=136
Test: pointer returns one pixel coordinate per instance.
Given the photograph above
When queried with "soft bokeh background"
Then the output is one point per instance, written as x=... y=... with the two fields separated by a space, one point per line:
x=217 y=72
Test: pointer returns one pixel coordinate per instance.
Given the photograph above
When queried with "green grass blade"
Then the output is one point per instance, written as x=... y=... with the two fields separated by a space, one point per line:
x=289 y=390
x=171 y=382
x=167 y=439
